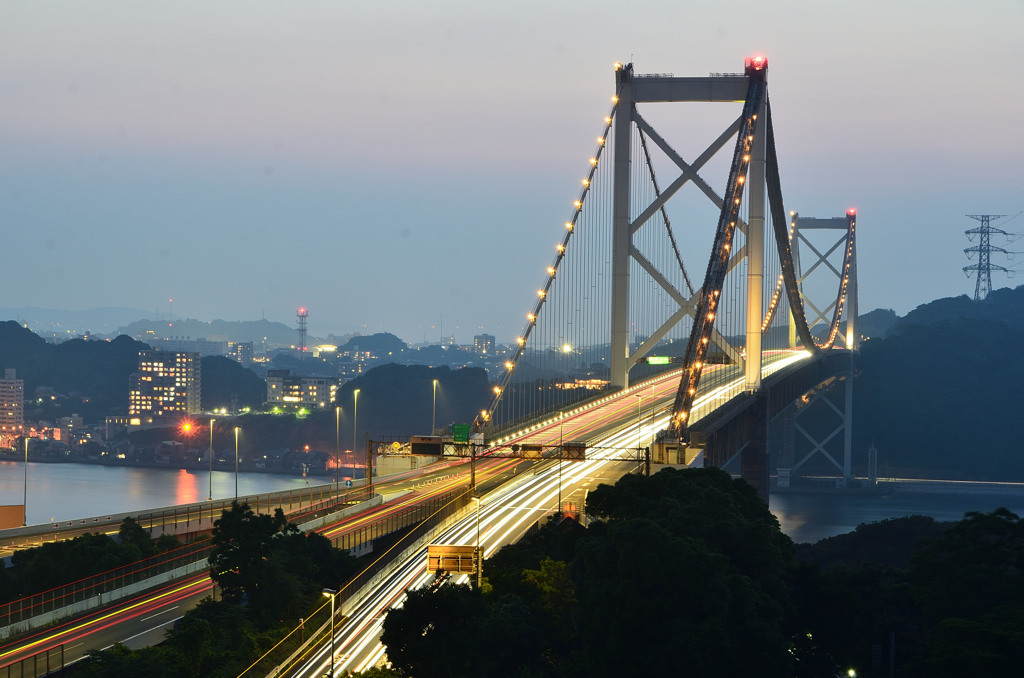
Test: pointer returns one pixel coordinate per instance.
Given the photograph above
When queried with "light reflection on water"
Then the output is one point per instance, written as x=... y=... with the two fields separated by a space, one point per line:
x=67 y=491
x=810 y=517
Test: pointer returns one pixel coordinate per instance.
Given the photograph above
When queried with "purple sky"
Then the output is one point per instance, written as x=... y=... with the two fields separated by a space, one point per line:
x=386 y=163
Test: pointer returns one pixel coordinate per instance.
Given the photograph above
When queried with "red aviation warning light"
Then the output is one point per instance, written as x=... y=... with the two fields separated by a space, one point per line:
x=852 y=211
x=756 y=63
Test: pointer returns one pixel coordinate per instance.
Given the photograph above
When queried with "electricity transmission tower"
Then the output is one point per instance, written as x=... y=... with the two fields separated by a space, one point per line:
x=984 y=249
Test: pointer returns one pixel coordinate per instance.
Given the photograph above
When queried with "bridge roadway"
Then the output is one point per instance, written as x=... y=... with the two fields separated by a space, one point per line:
x=610 y=424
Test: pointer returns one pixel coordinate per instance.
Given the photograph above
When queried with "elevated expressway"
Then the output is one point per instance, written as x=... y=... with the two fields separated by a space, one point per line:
x=610 y=424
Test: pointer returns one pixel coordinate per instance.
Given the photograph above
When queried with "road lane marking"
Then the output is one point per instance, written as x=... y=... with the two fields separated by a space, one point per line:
x=160 y=613
x=158 y=626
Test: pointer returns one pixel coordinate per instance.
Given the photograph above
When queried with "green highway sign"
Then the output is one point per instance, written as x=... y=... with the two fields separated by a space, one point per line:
x=460 y=433
x=658 y=360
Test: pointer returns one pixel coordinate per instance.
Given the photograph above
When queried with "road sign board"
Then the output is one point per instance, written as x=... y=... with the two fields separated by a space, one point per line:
x=451 y=558
x=348 y=483
x=531 y=451
x=657 y=360
x=574 y=452
x=460 y=433
x=429 y=445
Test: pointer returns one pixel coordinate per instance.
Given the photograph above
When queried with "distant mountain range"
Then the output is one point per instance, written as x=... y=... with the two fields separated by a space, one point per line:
x=256 y=331
x=109 y=322
x=1005 y=305
x=45 y=321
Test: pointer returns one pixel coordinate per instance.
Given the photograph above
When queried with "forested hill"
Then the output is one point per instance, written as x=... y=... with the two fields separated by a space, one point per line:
x=241 y=331
x=942 y=400
x=93 y=375
x=1004 y=305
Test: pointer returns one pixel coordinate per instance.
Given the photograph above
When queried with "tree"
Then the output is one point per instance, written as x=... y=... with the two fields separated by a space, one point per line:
x=970 y=585
x=269 y=565
x=243 y=559
x=434 y=632
x=656 y=603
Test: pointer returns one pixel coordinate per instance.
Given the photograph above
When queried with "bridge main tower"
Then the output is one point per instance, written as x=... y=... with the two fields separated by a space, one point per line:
x=636 y=89
x=618 y=308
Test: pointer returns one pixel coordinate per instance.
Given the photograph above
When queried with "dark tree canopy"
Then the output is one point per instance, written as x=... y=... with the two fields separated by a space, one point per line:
x=224 y=379
x=379 y=344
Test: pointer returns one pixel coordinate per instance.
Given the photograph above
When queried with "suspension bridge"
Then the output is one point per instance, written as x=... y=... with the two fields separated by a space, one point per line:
x=620 y=311
x=625 y=350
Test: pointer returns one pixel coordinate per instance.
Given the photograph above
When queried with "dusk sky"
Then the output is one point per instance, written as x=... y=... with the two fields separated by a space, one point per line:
x=387 y=163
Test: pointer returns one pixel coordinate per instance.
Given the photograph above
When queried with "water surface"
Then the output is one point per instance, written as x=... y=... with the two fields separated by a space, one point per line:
x=67 y=491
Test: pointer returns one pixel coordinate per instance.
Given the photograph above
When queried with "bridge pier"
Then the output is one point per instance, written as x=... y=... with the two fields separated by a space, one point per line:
x=754 y=466
x=786 y=463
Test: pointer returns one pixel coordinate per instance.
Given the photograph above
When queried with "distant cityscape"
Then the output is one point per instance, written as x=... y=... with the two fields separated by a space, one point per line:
x=166 y=389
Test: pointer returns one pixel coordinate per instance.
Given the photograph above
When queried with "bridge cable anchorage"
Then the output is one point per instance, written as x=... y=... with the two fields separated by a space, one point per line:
x=486 y=417
x=664 y=214
x=714 y=278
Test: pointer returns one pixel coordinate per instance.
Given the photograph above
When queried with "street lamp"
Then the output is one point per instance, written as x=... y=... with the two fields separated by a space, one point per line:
x=479 y=554
x=561 y=451
x=25 y=506
x=433 y=414
x=355 y=428
x=337 y=447
x=639 y=402
x=332 y=594
x=237 y=429
x=209 y=496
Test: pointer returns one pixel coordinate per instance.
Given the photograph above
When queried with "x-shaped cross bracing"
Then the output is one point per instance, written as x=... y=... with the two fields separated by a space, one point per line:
x=687 y=305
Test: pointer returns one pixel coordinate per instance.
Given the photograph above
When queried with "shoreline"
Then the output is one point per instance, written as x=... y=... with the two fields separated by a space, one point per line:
x=910 y=486
x=247 y=467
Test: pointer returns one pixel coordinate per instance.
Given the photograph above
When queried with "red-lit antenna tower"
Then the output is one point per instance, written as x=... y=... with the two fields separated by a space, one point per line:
x=302 y=315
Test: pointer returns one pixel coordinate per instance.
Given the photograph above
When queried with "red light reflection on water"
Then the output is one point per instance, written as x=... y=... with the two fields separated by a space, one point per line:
x=185 y=492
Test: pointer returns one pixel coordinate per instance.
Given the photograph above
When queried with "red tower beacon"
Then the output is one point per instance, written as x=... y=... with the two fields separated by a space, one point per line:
x=756 y=63
x=852 y=211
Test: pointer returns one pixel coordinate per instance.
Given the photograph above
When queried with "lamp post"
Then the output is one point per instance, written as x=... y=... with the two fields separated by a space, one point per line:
x=433 y=412
x=237 y=429
x=25 y=505
x=332 y=594
x=639 y=403
x=479 y=553
x=355 y=428
x=560 y=452
x=337 y=447
x=209 y=496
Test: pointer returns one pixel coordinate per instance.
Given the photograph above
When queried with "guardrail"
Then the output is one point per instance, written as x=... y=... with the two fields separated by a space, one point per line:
x=42 y=663
x=171 y=516
x=105 y=582
x=392 y=523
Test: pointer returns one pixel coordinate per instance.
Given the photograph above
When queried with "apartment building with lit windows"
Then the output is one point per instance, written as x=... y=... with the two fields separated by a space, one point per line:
x=168 y=383
x=295 y=392
x=12 y=408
